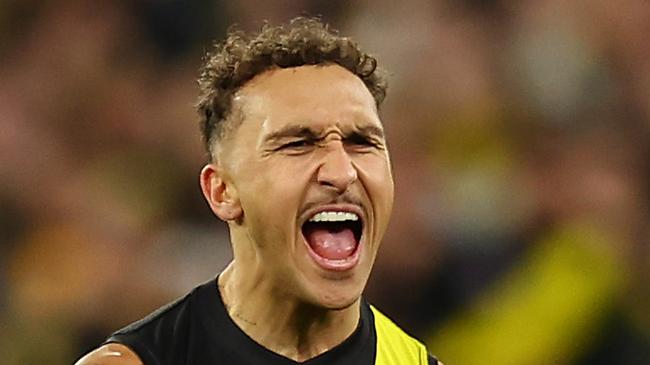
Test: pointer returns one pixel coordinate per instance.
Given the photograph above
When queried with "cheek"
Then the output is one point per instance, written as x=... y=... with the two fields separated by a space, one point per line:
x=376 y=176
x=378 y=179
x=271 y=192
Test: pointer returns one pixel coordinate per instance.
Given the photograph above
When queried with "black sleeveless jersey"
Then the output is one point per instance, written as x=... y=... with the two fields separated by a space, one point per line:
x=197 y=330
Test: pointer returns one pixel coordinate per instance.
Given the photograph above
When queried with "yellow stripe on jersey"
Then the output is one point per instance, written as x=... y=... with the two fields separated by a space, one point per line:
x=394 y=346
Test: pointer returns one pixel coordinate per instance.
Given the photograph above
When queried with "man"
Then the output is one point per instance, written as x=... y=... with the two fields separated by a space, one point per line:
x=299 y=169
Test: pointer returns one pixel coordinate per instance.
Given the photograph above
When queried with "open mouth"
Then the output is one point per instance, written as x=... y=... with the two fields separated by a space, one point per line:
x=333 y=238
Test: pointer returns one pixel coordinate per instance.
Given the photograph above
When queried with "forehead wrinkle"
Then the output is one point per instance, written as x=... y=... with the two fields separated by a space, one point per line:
x=318 y=133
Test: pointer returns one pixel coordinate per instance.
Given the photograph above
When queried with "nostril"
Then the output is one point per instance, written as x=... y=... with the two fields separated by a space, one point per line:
x=341 y=182
x=337 y=175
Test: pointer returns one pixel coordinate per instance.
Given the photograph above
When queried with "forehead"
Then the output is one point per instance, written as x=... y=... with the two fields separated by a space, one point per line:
x=313 y=96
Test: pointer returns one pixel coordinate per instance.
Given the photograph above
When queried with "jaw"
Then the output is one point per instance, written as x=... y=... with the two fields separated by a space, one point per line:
x=296 y=277
x=331 y=286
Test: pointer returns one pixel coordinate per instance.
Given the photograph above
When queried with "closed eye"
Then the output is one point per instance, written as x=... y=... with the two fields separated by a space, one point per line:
x=361 y=141
x=301 y=143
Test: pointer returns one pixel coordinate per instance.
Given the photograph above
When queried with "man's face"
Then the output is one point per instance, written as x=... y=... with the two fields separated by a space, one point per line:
x=312 y=174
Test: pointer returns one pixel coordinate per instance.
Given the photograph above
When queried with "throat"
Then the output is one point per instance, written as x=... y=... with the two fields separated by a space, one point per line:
x=290 y=328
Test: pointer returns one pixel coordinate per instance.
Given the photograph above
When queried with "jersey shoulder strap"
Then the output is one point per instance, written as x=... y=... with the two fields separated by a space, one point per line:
x=394 y=346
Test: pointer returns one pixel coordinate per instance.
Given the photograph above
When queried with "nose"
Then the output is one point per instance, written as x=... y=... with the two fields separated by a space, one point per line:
x=337 y=169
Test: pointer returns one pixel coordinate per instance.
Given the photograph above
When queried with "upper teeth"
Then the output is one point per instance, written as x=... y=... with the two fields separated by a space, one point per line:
x=334 y=217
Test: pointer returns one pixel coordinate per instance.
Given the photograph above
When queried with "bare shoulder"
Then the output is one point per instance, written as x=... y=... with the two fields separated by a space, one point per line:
x=111 y=354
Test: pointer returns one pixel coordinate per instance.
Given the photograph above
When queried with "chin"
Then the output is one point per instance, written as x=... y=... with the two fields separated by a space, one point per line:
x=337 y=303
x=337 y=295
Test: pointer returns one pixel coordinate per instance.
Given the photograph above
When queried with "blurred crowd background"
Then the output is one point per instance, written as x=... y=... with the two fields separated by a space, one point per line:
x=519 y=133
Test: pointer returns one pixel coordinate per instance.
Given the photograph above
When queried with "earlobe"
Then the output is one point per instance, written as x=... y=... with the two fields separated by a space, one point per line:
x=221 y=196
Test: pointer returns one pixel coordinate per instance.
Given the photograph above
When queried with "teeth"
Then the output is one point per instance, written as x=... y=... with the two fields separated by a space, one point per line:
x=334 y=217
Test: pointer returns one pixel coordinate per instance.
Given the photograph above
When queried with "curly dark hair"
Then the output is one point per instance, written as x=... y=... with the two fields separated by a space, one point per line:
x=242 y=56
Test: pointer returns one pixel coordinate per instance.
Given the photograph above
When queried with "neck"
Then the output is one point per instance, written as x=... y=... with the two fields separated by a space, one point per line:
x=284 y=325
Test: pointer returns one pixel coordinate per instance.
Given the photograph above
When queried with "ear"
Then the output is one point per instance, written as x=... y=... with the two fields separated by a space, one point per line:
x=221 y=196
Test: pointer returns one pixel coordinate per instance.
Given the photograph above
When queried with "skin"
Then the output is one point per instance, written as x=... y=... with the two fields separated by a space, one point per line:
x=111 y=354
x=310 y=138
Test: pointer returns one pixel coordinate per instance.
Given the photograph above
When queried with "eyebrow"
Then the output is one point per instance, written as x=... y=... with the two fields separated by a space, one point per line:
x=291 y=131
x=308 y=133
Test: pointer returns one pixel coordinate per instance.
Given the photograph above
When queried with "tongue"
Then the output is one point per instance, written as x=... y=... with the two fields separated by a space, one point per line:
x=332 y=245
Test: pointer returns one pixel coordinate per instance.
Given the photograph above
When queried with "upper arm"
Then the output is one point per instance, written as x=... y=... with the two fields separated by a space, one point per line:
x=111 y=354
